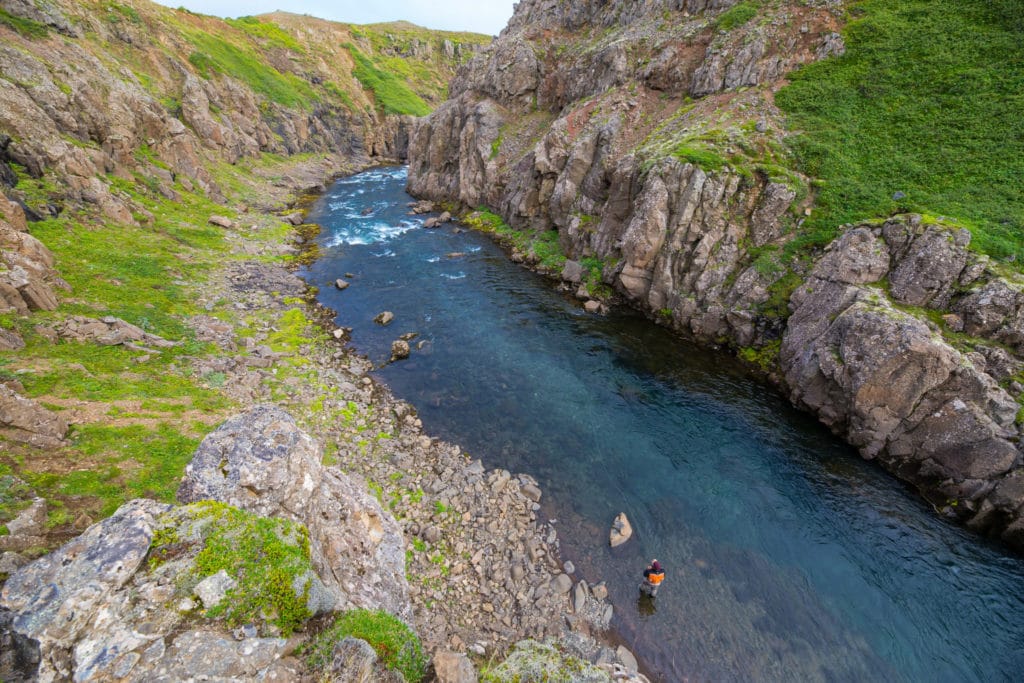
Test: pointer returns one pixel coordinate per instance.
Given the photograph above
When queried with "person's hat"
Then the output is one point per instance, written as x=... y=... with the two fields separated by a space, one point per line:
x=655 y=565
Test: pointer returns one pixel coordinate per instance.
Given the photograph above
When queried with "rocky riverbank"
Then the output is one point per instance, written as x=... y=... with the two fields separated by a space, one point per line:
x=458 y=550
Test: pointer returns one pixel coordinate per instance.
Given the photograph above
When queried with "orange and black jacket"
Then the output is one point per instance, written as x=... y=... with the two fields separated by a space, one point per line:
x=654 y=577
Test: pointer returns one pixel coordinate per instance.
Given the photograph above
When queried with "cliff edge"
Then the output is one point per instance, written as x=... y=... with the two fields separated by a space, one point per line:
x=644 y=139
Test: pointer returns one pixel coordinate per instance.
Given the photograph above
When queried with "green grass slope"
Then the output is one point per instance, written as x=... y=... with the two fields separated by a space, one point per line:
x=922 y=113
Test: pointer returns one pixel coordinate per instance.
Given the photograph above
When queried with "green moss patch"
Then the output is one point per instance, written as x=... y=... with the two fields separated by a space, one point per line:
x=28 y=28
x=736 y=16
x=267 y=557
x=397 y=646
x=542 y=247
x=922 y=113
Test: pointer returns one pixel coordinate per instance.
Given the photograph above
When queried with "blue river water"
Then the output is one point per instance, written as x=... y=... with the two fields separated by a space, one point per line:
x=788 y=558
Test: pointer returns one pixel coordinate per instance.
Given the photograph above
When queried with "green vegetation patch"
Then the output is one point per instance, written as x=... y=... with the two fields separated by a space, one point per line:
x=533 y=662
x=214 y=54
x=390 y=91
x=705 y=158
x=397 y=646
x=922 y=113
x=267 y=33
x=542 y=247
x=736 y=16
x=268 y=557
x=116 y=12
x=28 y=28
x=133 y=462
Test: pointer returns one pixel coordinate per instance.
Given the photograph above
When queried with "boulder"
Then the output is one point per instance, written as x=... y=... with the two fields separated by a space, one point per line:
x=10 y=340
x=222 y=222
x=31 y=521
x=452 y=667
x=295 y=218
x=25 y=421
x=384 y=317
x=572 y=271
x=561 y=584
x=353 y=661
x=56 y=598
x=213 y=589
x=399 y=349
x=621 y=530
x=627 y=658
x=341 y=284
x=108 y=331
x=262 y=462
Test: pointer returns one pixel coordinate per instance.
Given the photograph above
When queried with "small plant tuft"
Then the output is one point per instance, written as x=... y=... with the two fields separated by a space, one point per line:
x=397 y=646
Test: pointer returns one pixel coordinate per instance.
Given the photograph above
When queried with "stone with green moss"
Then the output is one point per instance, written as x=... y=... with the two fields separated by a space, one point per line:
x=267 y=558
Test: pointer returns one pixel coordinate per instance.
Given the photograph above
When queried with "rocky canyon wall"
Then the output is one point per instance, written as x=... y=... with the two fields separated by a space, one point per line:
x=646 y=134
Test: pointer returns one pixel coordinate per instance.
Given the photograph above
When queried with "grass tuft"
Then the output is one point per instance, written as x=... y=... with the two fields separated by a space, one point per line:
x=396 y=644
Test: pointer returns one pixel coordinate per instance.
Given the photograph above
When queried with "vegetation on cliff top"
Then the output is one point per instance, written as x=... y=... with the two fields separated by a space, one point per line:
x=922 y=113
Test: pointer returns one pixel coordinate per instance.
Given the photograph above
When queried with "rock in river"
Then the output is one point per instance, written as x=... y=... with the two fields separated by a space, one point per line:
x=621 y=531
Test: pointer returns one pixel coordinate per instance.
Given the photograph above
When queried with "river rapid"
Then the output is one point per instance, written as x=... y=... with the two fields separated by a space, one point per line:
x=788 y=557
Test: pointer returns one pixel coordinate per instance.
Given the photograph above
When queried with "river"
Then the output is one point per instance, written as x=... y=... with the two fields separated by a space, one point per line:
x=788 y=558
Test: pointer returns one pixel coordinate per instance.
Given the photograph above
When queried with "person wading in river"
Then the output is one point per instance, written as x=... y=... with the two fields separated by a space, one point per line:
x=653 y=576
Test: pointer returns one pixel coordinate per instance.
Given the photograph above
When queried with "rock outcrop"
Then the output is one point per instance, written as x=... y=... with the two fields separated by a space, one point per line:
x=27 y=277
x=575 y=120
x=126 y=600
x=892 y=385
x=25 y=421
x=263 y=463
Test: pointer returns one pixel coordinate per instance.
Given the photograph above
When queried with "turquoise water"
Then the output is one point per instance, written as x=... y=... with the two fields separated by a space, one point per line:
x=788 y=557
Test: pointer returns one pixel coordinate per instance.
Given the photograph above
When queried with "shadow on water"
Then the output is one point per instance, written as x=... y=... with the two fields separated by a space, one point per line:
x=787 y=556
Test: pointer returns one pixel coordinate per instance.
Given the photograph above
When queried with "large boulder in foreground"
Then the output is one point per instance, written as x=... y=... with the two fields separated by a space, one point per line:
x=119 y=602
x=262 y=462
x=56 y=599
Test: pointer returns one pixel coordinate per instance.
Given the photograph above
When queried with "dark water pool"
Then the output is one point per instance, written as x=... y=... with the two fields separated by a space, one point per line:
x=788 y=558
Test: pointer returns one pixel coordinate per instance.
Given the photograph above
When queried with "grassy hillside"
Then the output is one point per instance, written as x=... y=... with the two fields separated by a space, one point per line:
x=922 y=113
x=138 y=417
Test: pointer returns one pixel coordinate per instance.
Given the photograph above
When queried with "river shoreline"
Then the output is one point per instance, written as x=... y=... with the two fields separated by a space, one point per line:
x=483 y=560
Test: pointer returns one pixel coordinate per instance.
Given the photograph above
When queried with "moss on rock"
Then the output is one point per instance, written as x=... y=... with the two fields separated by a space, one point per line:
x=267 y=557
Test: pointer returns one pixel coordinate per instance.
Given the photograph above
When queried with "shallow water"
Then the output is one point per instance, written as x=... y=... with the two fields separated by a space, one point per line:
x=788 y=557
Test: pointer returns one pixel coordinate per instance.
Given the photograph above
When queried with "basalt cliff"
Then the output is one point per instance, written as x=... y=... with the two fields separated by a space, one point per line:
x=646 y=139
